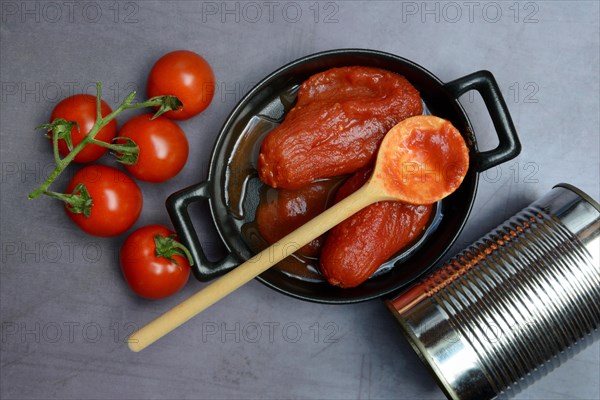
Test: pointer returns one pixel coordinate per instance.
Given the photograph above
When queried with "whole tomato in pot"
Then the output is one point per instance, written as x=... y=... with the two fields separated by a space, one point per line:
x=186 y=75
x=110 y=201
x=163 y=147
x=355 y=248
x=81 y=108
x=154 y=264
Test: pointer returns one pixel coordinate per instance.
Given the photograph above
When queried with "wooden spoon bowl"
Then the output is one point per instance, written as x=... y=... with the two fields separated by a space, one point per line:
x=421 y=160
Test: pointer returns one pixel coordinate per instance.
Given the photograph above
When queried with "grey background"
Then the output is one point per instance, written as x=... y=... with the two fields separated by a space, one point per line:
x=65 y=310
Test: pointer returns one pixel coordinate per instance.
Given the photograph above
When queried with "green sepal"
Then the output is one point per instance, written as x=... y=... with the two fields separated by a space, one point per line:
x=126 y=153
x=62 y=129
x=78 y=202
x=166 y=103
x=167 y=247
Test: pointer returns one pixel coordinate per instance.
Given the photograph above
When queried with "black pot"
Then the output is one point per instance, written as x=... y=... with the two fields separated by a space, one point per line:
x=270 y=99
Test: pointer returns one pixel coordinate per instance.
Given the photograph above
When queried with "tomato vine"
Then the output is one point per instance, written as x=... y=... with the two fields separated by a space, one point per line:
x=60 y=129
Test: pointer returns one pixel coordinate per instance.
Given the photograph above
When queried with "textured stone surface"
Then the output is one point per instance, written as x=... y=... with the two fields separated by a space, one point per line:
x=65 y=309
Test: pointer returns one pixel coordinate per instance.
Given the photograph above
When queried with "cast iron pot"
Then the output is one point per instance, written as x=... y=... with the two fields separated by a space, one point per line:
x=268 y=101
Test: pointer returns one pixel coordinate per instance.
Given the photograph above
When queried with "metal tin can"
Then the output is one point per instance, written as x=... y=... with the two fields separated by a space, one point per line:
x=515 y=304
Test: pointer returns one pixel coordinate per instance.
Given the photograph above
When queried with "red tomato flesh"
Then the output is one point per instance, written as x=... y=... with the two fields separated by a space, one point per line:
x=81 y=108
x=163 y=147
x=187 y=76
x=117 y=200
x=147 y=274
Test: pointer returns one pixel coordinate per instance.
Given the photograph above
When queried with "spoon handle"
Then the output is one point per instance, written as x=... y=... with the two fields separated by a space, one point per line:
x=247 y=271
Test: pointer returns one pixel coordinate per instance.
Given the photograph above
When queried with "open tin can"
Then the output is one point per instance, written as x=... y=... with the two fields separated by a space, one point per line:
x=515 y=304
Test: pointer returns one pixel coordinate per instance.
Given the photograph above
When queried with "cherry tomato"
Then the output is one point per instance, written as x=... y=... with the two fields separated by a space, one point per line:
x=163 y=147
x=116 y=200
x=151 y=264
x=82 y=109
x=187 y=76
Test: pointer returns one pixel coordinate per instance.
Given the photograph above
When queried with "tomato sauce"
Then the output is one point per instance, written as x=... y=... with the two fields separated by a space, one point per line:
x=282 y=211
x=356 y=248
x=335 y=129
x=426 y=150
x=336 y=126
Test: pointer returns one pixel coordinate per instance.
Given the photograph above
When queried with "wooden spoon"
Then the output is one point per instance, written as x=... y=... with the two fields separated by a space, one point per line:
x=421 y=160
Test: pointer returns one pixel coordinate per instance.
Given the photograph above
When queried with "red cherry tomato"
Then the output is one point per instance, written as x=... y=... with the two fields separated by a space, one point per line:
x=163 y=147
x=187 y=76
x=82 y=109
x=116 y=200
x=146 y=271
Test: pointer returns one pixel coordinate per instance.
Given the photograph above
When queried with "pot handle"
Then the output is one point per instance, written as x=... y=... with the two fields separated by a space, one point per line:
x=177 y=207
x=509 y=146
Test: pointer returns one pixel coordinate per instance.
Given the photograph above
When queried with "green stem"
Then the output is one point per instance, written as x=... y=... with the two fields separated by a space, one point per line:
x=55 y=149
x=98 y=101
x=60 y=196
x=100 y=123
x=185 y=251
x=79 y=201
x=121 y=148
